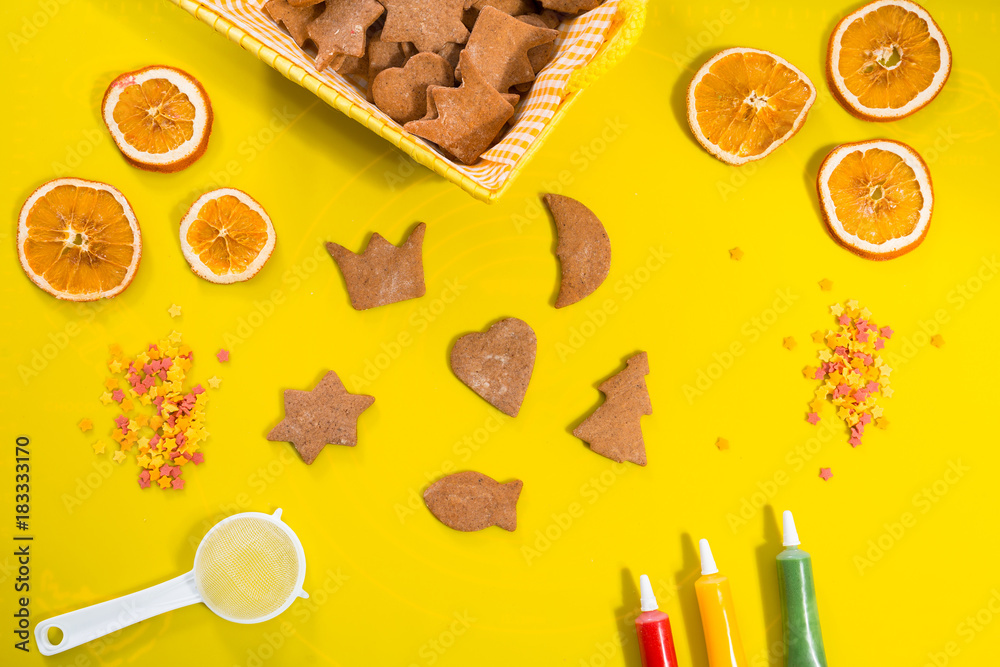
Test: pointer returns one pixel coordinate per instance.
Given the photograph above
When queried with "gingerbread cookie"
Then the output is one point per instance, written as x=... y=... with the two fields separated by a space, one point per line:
x=341 y=29
x=401 y=92
x=470 y=501
x=584 y=250
x=428 y=24
x=295 y=18
x=571 y=6
x=327 y=415
x=613 y=429
x=383 y=273
x=383 y=55
x=499 y=45
x=497 y=364
x=464 y=121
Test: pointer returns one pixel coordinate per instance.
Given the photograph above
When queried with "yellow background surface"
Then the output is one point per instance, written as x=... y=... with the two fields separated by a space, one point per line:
x=390 y=584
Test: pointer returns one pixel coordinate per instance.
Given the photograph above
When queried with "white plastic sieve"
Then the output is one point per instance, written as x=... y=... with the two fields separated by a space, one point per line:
x=248 y=568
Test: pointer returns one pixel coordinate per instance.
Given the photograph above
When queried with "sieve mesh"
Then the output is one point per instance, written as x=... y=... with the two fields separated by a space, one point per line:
x=247 y=568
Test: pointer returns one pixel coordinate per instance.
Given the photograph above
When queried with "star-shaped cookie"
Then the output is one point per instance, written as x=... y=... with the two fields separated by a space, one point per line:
x=327 y=415
x=464 y=121
x=499 y=48
x=295 y=18
x=341 y=29
x=429 y=24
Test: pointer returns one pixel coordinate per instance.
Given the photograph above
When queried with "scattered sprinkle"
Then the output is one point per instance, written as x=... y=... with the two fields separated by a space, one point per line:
x=222 y=356
x=882 y=423
x=85 y=425
x=167 y=433
x=98 y=447
x=818 y=336
x=852 y=372
x=722 y=444
x=174 y=310
x=825 y=474
x=214 y=382
x=789 y=343
x=736 y=254
x=826 y=284
x=937 y=340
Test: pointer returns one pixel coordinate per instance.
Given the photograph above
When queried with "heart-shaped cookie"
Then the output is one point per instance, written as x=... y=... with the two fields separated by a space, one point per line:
x=401 y=92
x=497 y=364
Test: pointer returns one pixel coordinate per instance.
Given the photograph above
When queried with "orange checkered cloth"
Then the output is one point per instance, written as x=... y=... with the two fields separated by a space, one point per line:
x=579 y=40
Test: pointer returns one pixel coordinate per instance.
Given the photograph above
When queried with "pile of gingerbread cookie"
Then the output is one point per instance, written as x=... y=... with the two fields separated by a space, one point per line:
x=450 y=71
x=497 y=364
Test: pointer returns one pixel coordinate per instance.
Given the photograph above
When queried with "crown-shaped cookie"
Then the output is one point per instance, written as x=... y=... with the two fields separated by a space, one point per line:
x=383 y=273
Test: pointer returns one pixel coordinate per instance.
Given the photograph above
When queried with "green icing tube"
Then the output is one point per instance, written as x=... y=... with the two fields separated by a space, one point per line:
x=800 y=618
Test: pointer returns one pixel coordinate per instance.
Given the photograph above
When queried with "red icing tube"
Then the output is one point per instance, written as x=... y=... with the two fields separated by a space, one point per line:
x=656 y=642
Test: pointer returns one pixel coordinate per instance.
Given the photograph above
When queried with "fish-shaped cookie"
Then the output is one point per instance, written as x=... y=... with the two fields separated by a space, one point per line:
x=470 y=501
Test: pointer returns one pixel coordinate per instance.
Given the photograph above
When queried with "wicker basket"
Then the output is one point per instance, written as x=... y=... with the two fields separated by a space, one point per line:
x=587 y=47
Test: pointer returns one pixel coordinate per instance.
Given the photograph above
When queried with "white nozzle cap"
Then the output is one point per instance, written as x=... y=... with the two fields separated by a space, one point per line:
x=707 y=561
x=647 y=598
x=789 y=534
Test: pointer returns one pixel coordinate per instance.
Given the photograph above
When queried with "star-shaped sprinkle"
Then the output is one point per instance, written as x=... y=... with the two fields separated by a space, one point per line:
x=818 y=336
x=464 y=120
x=342 y=28
x=837 y=309
x=115 y=366
x=937 y=340
x=826 y=284
x=85 y=425
x=877 y=411
x=886 y=332
x=106 y=398
x=174 y=310
x=118 y=456
x=499 y=45
x=327 y=415
x=735 y=254
x=98 y=447
x=214 y=382
x=852 y=304
x=164 y=482
x=825 y=474
x=178 y=483
x=789 y=343
x=174 y=337
x=722 y=443
x=812 y=418
x=882 y=423
x=429 y=24
x=222 y=356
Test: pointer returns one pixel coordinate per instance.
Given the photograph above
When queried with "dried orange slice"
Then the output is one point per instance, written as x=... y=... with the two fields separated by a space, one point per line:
x=876 y=197
x=226 y=236
x=887 y=60
x=78 y=240
x=744 y=103
x=159 y=117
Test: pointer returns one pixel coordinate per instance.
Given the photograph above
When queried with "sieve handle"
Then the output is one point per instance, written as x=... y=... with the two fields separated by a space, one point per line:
x=84 y=625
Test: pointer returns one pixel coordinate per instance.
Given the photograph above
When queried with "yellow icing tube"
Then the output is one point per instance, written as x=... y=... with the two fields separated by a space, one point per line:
x=718 y=617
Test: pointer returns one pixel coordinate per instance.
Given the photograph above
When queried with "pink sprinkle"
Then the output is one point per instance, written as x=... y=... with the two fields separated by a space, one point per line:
x=152 y=347
x=180 y=439
x=840 y=350
x=222 y=356
x=162 y=375
x=155 y=440
x=886 y=332
x=177 y=484
x=863 y=337
x=825 y=473
x=166 y=363
x=118 y=395
x=854 y=441
x=862 y=324
x=820 y=374
x=147 y=369
x=122 y=422
x=871 y=387
x=144 y=482
x=165 y=470
x=879 y=344
x=198 y=389
x=866 y=418
x=812 y=418
x=844 y=319
x=197 y=458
